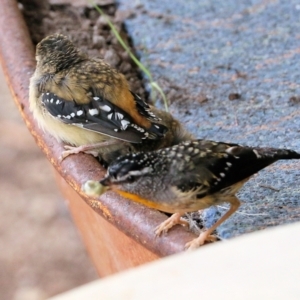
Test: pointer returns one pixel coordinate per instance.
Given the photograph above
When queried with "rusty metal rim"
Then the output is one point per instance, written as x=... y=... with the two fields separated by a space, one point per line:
x=136 y=221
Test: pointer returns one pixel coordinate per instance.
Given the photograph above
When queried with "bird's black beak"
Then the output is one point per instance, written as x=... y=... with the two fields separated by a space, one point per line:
x=105 y=181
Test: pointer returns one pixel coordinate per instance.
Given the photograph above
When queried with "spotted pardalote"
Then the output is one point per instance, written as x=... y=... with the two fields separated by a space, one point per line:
x=85 y=103
x=190 y=176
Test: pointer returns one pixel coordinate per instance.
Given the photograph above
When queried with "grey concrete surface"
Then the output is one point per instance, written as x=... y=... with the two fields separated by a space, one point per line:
x=201 y=52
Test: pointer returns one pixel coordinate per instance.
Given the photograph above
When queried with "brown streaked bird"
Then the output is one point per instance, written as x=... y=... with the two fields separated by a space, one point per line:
x=191 y=176
x=87 y=104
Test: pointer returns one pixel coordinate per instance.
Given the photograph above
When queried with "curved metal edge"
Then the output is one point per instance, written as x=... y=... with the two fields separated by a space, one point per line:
x=136 y=221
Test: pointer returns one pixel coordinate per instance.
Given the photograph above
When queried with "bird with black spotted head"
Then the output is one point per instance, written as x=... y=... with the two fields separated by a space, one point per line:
x=187 y=177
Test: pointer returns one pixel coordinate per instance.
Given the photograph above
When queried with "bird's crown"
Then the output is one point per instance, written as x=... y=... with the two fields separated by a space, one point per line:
x=57 y=52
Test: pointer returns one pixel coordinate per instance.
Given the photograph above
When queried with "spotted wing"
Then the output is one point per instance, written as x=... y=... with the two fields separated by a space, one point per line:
x=143 y=108
x=100 y=115
x=216 y=166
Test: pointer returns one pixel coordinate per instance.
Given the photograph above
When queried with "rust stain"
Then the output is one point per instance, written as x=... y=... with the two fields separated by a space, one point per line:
x=96 y=204
x=178 y=66
x=256 y=8
x=294 y=166
x=278 y=60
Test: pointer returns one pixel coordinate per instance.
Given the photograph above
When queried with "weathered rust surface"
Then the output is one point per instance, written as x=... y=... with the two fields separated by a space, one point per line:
x=117 y=217
x=111 y=249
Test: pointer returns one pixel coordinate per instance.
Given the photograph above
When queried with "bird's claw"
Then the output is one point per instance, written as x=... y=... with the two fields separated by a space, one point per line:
x=75 y=150
x=200 y=240
x=169 y=223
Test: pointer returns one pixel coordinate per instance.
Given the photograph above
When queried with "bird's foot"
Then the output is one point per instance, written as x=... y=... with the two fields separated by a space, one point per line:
x=200 y=240
x=75 y=150
x=169 y=223
x=92 y=149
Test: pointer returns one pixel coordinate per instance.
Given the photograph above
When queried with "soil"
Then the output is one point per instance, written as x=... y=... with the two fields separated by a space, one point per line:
x=88 y=30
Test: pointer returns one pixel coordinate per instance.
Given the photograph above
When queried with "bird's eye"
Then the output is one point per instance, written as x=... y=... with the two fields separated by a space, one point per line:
x=130 y=179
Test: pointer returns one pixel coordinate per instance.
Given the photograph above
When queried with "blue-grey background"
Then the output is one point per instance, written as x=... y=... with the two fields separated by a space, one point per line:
x=204 y=52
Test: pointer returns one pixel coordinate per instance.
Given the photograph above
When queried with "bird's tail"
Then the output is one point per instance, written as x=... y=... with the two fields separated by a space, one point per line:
x=276 y=154
x=156 y=131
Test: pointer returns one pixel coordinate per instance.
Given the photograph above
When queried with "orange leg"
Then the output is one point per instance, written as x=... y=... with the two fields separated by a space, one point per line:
x=206 y=235
x=169 y=223
x=92 y=149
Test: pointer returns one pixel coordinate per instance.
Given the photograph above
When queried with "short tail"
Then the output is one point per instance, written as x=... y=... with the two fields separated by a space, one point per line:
x=276 y=154
x=156 y=131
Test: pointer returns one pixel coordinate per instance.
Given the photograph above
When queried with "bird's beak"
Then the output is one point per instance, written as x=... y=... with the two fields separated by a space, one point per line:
x=105 y=181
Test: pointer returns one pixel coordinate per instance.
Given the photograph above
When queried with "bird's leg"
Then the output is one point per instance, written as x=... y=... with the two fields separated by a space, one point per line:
x=169 y=223
x=206 y=235
x=92 y=149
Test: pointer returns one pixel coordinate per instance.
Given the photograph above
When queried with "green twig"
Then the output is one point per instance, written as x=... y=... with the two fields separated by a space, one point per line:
x=153 y=84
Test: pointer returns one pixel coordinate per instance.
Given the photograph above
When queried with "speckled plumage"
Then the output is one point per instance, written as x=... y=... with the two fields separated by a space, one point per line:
x=93 y=102
x=190 y=176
